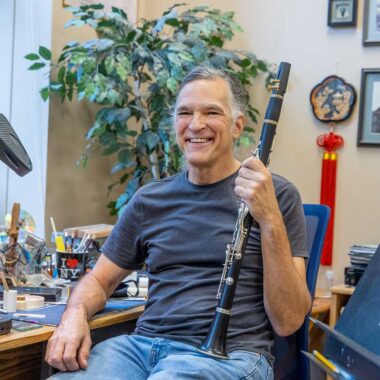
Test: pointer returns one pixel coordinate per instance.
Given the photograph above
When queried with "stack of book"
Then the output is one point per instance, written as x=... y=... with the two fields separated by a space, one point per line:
x=360 y=256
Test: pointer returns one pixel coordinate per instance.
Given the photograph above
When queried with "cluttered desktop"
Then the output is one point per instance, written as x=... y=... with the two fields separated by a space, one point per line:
x=37 y=275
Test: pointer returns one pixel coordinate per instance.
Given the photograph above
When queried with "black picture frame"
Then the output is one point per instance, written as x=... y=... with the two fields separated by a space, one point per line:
x=371 y=23
x=369 y=111
x=342 y=13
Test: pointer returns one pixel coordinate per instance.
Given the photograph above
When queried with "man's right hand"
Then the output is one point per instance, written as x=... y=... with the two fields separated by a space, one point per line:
x=69 y=347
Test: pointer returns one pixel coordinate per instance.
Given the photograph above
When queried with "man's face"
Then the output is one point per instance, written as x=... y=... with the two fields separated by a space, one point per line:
x=204 y=126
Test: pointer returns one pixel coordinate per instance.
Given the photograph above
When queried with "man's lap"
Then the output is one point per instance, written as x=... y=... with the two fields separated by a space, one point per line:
x=139 y=358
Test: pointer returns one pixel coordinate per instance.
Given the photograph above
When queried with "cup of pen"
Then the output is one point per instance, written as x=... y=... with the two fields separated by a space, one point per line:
x=71 y=265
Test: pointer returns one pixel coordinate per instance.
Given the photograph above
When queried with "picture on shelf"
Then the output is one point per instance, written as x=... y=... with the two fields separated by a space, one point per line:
x=371 y=23
x=369 y=117
x=342 y=13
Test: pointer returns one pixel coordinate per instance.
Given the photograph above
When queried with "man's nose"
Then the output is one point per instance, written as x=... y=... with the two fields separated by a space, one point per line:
x=197 y=122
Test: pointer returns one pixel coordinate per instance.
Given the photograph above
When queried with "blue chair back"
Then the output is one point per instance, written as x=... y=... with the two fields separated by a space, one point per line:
x=290 y=363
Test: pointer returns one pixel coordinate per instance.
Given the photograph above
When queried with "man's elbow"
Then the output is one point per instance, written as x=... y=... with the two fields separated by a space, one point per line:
x=288 y=328
x=290 y=325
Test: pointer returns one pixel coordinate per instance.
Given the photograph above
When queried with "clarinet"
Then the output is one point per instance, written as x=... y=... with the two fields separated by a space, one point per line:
x=215 y=342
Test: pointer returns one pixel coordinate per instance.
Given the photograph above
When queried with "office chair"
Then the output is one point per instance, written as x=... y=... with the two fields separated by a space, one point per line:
x=290 y=363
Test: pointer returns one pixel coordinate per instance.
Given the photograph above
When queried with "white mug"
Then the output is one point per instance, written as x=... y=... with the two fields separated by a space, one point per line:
x=10 y=300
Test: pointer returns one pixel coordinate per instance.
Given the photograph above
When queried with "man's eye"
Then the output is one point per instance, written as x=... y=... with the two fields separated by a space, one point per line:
x=183 y=113
x=212 y=113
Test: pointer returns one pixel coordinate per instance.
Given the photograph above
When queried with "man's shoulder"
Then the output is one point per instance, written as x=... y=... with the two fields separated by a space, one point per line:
x=282 y=184
x=279 y=180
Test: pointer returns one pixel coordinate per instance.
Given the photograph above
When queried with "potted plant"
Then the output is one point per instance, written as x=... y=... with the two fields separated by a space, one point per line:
x=133 y=71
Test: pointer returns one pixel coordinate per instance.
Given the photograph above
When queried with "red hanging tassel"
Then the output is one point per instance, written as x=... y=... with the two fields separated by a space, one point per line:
x=330 y=142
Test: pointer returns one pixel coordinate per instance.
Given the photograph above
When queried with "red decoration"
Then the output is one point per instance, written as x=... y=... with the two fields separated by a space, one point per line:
x=331 y=142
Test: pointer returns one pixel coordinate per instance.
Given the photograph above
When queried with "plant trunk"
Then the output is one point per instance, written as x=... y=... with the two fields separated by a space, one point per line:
x=153 y=157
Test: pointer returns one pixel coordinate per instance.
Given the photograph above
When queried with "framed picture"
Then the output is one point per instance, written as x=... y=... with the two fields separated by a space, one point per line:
x=369 y=113
x=371 y=22
x=342 y=13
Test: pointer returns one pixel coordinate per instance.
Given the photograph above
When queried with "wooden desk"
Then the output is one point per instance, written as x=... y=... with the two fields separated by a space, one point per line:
x=340 y=294
x=21 y=353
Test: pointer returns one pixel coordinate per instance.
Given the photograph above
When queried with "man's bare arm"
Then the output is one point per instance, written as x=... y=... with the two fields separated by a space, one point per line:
x=286 y=297
x=69 y=347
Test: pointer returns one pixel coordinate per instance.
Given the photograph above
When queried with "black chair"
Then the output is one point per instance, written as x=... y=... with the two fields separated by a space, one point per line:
x=290 y=363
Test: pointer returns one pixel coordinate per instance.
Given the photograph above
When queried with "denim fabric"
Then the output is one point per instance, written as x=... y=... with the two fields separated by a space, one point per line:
x=136 y=357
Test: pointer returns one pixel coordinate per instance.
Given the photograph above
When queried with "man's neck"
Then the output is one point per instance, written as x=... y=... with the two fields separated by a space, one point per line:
x=208 y=175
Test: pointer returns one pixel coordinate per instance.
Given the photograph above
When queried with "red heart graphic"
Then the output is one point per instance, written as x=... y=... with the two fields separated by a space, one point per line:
x=72 y=263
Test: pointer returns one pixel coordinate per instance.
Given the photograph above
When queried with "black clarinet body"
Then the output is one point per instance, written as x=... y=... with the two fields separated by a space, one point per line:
x=215 y=342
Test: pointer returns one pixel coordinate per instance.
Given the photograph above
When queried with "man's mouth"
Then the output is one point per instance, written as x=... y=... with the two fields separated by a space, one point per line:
x=198 y=140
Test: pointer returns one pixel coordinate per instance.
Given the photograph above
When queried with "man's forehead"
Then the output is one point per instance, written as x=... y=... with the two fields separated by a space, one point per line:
x=210 y=91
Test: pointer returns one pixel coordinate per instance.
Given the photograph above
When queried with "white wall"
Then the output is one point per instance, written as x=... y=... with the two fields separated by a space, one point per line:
x=25 y=25
x=296 y=31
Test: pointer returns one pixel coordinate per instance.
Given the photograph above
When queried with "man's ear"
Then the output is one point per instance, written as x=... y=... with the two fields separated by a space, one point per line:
x=238 y=126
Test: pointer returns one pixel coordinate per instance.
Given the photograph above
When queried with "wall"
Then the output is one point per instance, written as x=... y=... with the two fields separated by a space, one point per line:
x=297 y=32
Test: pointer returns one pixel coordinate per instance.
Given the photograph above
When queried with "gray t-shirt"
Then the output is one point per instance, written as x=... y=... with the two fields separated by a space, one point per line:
x=181 y=231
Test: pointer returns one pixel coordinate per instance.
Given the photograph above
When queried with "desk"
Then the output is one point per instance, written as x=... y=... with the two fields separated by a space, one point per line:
x=340 y=294
x=21 y=352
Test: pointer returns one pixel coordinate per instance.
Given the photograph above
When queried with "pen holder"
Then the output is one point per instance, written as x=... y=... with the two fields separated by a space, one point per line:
x=71 y=266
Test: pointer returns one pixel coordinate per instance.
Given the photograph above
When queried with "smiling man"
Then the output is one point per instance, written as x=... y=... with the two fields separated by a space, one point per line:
x=179 y=227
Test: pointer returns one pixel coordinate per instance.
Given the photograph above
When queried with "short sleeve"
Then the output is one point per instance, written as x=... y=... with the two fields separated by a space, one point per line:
x=291 y=207
x=124 y=245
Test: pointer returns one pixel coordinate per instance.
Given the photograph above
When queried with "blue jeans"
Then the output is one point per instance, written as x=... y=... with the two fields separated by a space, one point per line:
x=137 y=357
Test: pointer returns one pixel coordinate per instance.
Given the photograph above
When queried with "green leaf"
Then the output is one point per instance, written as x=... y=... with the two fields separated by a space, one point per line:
x=110 y=150
x=244 y=141
x=130 y=36
x=121 y=71
x=45 y=53
x=245 y=62
x=125 y=156
x=216 y=41
x=152 y=140
x=171 y=84
x=262 y=66
x=132 y=133
x=61 y=74
x=185 y=56
x=32 y=57
x=74 y=22
x=44 y=92
x=173 y=58
x=89 y=65
x=96 y=6
x=172 y=22
x=37 y=66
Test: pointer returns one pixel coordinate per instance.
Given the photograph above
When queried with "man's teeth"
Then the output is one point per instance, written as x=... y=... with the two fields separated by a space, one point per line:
x=198 y=140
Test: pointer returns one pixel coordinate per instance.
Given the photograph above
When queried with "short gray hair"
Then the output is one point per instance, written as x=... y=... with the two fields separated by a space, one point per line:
x=238 y=94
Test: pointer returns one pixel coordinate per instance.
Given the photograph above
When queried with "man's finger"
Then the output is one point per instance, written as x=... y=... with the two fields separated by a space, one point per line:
x=250 y=174
x=253 y=163
x=54 y=353
x=84 y=352
x=70 y=357
x=241 y=192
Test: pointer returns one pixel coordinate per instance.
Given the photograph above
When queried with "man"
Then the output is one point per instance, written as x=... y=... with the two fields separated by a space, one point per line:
x=180 y=227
